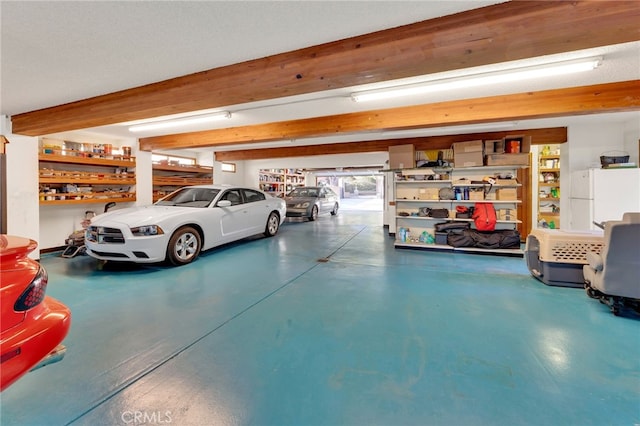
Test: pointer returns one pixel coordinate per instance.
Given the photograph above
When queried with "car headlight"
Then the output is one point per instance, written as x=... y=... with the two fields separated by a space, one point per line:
x=302 y=205
x=143 y=231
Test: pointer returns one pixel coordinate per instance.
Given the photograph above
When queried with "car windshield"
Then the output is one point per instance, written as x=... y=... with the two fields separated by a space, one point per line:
x=189 y=197
x=304 y=192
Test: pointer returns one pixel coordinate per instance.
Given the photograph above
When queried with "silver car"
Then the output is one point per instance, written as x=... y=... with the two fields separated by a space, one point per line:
x=310 y=201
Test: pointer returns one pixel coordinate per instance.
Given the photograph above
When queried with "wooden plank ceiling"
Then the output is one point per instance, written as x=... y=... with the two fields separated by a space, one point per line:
x=504 y=32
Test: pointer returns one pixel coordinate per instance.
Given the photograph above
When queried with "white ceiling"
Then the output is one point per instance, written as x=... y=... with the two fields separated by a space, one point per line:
x=54 y=52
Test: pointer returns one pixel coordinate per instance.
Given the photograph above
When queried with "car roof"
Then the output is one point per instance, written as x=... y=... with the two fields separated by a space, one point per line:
x=221 y=186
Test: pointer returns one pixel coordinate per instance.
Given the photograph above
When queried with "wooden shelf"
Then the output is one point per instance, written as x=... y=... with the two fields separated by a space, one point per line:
x=88 y=161
x=548 y=188
x=183 y=169
x=170 y=177
x=99 y=179
x=180 y=181
x=90 y=181
x=87 y=201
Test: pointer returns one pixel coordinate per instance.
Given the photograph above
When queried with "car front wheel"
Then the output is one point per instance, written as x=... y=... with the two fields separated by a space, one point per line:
x=184 y=246
x=273 y=224
x=314 y=213
x=335 y=210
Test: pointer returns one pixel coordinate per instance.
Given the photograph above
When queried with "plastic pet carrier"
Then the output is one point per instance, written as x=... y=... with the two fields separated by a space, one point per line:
x=556 y=257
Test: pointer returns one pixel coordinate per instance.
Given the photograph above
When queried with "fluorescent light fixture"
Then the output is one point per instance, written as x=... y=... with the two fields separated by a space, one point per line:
x=482 y=79
x=181 y=122
x=447 y=130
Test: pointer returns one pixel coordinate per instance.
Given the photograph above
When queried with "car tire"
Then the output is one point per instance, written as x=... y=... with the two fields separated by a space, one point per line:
x=314 y=213
x=335 y=210
x=273 y=224
x=184 y=246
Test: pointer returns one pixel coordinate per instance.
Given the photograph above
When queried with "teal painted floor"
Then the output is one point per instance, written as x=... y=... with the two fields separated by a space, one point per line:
x=263 y=333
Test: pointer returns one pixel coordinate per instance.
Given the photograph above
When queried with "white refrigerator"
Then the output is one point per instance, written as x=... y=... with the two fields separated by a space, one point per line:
x=598 y=195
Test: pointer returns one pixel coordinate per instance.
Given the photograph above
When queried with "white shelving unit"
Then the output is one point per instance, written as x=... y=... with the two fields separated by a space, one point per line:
x=279 y=182
x=414 y=189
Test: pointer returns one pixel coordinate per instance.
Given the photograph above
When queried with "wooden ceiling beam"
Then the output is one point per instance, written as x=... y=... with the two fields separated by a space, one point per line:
x=552 y=135
x=610 y=97
x=493 y=34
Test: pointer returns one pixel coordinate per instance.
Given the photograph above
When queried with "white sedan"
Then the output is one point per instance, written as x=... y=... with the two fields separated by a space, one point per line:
x=177 y=227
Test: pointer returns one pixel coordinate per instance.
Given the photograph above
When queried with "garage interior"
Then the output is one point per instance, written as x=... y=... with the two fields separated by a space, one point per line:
x=326 y=323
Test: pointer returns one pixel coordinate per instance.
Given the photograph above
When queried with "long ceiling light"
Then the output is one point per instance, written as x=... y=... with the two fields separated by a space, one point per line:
x=482 y=79
x=181 y=122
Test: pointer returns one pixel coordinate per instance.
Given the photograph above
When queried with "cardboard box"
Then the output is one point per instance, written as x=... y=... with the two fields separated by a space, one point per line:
x=507 y=159
x=402 y=156
x=468 y=154
x=476 y=195
x=506 y=194
x=506 y=182
x=506 y=214
x=511 y=212
x=494 y=146
x=428 y=194
x=517 y=144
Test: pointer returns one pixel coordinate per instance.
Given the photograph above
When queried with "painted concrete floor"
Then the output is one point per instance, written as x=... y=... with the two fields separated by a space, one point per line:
x=263 y=333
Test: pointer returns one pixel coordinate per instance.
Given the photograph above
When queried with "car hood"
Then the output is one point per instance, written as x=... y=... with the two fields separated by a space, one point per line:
x=139 y=216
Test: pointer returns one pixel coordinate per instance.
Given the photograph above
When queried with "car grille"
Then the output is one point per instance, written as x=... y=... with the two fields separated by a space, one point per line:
x=104 y=235
x=109 y=254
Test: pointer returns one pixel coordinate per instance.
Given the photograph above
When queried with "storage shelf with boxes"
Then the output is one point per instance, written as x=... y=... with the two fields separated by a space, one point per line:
x=425 y=198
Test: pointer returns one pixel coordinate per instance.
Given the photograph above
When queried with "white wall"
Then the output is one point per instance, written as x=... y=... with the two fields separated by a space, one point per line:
x=22 y=185
x=632 y=139
x=228 y=178
x=586 y=143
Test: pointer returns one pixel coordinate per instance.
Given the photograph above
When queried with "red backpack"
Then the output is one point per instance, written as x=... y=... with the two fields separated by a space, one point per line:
x=484 y=215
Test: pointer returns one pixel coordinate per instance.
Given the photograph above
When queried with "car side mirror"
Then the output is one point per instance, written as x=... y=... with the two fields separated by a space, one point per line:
x=224 y=203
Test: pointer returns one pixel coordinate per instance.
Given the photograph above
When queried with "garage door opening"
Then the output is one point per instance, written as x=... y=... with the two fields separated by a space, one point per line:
x=358 y=190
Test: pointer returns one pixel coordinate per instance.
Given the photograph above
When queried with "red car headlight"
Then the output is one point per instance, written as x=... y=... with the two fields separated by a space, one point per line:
x=34 y=294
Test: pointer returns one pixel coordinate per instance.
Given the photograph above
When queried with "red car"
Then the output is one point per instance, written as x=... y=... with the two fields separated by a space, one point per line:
x=32 y=325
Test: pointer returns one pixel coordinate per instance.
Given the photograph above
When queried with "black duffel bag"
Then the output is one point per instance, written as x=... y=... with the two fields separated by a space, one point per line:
x=429 y=212
x=460 y=238
x=510 y=239
x=448 y=226
x=487 y=240
x=439 y=213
